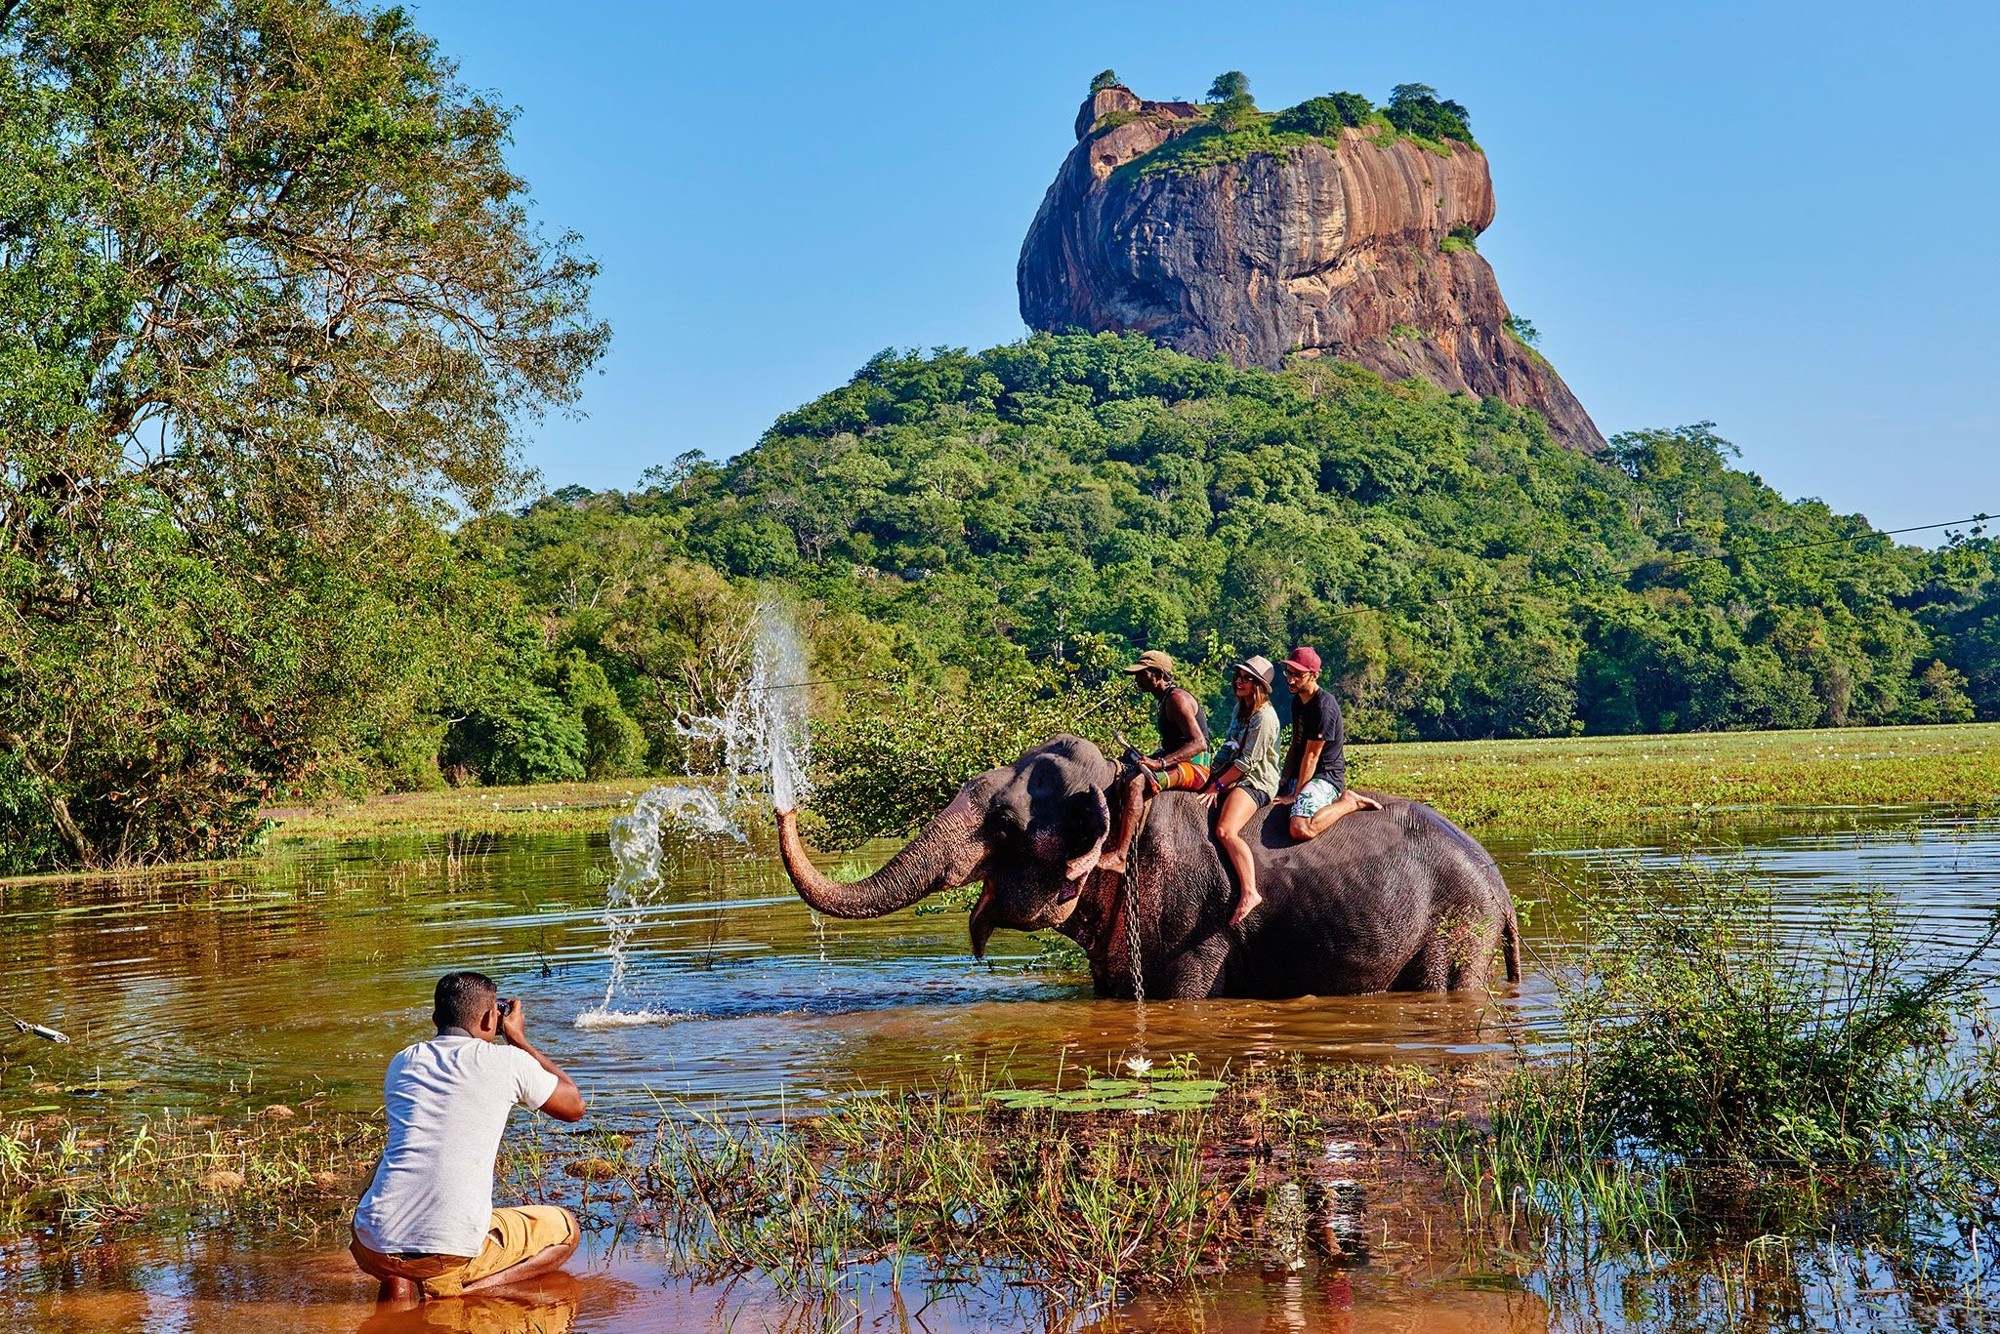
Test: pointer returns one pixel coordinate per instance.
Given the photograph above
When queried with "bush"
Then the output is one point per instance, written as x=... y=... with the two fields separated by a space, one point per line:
x=27 y=836
x=1713 y=1060
x=614 y=746
x=524 y=734
x=1416 y=110
x=1324 y=116
x=882 y=773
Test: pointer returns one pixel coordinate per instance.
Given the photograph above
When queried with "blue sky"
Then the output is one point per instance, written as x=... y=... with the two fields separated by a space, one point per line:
x=1778 y=217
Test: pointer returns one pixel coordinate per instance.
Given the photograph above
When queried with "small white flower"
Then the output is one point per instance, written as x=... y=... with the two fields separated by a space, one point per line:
x=1139 y=1065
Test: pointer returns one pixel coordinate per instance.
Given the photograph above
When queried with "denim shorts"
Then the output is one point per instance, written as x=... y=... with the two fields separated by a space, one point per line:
x=1313 y=798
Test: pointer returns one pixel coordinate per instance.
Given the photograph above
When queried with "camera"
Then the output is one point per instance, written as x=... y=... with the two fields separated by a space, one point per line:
x=506 y=1008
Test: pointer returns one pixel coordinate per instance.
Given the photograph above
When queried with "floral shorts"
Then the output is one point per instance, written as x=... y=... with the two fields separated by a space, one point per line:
x=1313 y=798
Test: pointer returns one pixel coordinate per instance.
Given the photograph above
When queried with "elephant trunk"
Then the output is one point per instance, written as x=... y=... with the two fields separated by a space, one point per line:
x=944 y=854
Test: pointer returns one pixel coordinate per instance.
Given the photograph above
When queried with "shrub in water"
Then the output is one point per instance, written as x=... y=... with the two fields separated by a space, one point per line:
x=1715 y=1058
x=1706 y=1033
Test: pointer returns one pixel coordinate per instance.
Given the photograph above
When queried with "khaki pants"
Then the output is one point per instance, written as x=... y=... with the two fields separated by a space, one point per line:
x=517 y=1234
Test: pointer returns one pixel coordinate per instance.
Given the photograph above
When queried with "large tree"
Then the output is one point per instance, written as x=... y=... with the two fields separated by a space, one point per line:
x=271 y=305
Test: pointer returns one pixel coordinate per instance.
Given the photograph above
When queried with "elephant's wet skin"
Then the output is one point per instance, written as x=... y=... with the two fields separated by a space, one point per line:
x=1395 y=899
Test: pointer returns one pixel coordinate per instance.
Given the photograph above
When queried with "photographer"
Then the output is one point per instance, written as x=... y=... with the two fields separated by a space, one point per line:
x=427 y=1226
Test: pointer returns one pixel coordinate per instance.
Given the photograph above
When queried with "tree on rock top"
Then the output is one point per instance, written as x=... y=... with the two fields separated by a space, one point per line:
x=1416 y=109
x=1231 y=94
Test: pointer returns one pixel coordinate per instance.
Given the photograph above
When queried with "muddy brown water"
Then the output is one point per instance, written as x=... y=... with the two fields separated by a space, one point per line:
x=297 y=975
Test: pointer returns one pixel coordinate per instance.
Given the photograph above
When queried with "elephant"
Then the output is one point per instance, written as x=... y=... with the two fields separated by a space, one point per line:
x=1396 y=899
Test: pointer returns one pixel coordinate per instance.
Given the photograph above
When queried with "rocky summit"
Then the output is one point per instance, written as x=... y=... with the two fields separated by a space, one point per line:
x=1356 y=242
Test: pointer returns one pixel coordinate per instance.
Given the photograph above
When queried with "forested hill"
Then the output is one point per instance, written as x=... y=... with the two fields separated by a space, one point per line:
x=1464 y=576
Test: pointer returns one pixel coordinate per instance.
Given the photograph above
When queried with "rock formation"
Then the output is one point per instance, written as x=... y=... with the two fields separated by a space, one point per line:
x=1320 y=248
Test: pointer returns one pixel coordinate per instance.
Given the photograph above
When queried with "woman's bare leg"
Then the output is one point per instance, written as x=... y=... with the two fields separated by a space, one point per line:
x=1237 y=808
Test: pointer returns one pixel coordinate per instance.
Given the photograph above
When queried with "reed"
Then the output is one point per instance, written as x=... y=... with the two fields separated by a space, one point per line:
x=1718 y=1083
x=1104 y=1179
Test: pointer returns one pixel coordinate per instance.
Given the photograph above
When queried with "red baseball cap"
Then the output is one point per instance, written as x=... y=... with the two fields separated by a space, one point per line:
x=1303 y=659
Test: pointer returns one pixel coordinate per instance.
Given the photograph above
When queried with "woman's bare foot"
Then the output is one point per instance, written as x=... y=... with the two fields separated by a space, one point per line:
x=1245 y=906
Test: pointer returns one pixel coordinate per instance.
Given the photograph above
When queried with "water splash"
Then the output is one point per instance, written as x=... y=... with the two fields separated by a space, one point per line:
x=685 y=813
x=762 y=741
x=761 y=736
x=781 y=704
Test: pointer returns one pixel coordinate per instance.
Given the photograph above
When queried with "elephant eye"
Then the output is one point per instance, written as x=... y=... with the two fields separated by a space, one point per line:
x=1002 y=823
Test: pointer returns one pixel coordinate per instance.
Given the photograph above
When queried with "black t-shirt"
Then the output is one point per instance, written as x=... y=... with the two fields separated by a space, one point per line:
x=1318 y=719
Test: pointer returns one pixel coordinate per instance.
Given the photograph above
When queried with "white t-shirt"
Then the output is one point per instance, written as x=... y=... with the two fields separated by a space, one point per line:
x=447 y=1100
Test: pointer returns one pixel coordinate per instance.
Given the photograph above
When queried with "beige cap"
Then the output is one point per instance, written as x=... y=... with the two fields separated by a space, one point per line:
x=1152 y=660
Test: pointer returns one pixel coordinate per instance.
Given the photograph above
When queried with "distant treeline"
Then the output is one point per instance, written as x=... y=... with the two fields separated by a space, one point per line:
x=954 y=518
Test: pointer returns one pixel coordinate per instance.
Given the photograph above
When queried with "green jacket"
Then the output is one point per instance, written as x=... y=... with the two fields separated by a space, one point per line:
x=1253 y=745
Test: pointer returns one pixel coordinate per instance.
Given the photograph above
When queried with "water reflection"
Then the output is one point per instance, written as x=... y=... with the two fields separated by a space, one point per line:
x=216 y=1288
x=299 y=975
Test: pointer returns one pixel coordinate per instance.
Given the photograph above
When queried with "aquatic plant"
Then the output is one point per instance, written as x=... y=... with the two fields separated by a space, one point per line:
x=1720 y=1078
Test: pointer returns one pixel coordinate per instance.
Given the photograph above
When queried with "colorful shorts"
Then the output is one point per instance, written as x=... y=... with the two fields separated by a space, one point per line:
x=516 y=1235
x=1313 y=798
x=1187 y=776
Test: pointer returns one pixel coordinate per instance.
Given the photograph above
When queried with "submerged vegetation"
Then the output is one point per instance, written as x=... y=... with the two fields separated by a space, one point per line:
x=1719 y=1080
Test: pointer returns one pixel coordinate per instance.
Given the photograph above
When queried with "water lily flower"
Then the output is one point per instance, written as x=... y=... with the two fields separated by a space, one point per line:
x=1139 y=1065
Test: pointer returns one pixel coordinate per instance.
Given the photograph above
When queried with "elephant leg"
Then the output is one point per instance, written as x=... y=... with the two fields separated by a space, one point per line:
x=1193 y=973
x=1456 y=956
x=1429 y=970
x=1472 y=959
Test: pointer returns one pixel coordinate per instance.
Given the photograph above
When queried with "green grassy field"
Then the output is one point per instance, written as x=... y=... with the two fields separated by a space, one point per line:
x=1567 y=783
x=547 y=808
x=1641 y=781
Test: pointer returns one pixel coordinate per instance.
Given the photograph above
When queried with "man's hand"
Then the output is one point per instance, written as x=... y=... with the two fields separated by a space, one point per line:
x=1150 y=765
x=566 y=1103
x=514 y=1024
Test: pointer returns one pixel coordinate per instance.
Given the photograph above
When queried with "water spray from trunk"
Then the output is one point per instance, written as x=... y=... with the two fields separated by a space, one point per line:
x=763 y=745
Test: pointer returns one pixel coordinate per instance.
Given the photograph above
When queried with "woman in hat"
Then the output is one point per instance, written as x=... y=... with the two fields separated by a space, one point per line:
x=1245 y=775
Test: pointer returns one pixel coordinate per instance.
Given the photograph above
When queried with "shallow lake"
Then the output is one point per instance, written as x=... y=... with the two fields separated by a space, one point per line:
x=297 y=975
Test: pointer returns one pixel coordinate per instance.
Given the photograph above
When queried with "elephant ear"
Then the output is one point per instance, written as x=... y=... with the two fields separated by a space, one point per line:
x=1083 y=825
x=1068 y=782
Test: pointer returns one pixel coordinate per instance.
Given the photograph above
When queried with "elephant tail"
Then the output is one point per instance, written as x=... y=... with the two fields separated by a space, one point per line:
x=1510 y=942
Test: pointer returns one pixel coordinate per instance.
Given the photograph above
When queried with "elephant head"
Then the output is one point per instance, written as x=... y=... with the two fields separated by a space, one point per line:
x=1031 y=832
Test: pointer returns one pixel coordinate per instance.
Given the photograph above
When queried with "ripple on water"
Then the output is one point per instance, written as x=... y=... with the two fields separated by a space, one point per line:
x=302 y=974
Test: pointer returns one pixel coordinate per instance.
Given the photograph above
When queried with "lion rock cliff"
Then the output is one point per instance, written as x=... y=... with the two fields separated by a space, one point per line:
x=1354 y=242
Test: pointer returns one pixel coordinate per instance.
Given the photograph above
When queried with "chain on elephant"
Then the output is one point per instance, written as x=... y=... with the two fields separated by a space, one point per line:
x=1133 y=962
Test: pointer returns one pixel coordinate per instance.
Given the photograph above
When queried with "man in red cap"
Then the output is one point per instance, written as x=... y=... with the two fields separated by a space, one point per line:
x=1316 y=762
